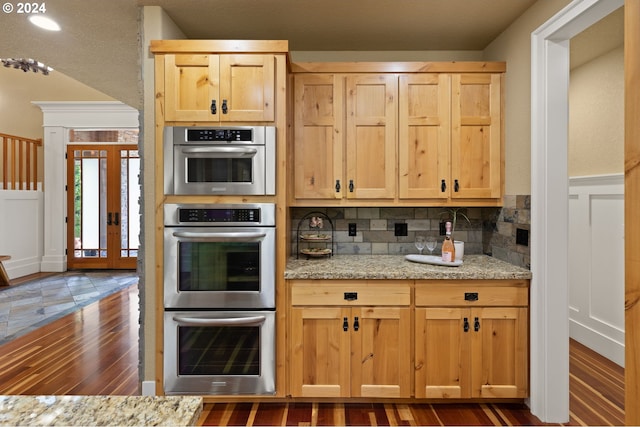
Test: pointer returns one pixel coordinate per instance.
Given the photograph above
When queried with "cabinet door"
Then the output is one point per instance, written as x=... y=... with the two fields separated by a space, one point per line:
x=318 y=136
x=371 y=136
x=320 y=352
x=247 y=88
x=424 y=143
x=442 y=368
x=476 y=140
x=499 y=352
x=191 y=85
x=381 y=348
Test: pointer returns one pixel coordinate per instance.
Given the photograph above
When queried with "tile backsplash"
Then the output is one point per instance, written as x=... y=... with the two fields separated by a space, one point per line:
x=491 y=231
x=501 y=227
x=376 y=229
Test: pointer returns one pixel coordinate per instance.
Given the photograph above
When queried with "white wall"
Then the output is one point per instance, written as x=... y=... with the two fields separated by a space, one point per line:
x=21 y=231
x=596 y=263
x=596 y=116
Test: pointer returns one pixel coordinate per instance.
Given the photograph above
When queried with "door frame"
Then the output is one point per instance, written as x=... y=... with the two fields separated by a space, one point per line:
x=549 y=388
x=58 y=117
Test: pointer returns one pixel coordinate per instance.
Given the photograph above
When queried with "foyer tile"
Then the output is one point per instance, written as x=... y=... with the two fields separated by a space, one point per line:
x=27 y=306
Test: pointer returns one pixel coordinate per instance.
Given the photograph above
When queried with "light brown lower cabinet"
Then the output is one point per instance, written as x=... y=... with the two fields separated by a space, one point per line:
x=467 y=339
x=350 y=348
x=477 y=347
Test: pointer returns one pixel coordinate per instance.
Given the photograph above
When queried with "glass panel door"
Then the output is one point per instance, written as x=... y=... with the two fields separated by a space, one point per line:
x=103 y=217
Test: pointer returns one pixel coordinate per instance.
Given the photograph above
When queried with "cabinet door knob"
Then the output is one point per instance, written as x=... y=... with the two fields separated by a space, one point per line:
x=225 y=109
x=443 y=186
x=456 y=186
x=345 y=324
x=351 y=186
x=109 y=219
x=476 y=324
x=356 y=323
x=337 y=185
x=214 y=108
x=466 y=324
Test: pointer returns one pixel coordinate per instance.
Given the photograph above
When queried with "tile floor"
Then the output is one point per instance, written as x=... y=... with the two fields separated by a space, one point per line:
x=27 y=306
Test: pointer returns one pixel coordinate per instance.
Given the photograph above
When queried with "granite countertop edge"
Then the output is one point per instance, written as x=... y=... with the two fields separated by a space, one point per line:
x=100 y=410
x=396 y=267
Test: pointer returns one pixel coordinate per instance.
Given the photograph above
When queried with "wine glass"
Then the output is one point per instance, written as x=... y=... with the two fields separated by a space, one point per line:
x=420 y=242
x=431 y=244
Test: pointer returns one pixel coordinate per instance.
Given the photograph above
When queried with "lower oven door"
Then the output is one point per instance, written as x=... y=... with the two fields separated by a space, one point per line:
x=219 y=353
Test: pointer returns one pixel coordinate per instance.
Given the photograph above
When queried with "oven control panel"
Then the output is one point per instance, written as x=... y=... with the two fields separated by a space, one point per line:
x=219 y=215
x=224 y=215
x=219 y=134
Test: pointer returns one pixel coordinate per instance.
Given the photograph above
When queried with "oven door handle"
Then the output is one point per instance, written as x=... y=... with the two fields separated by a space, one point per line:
x=230 y=321
x=226 y=151
x=219 y=237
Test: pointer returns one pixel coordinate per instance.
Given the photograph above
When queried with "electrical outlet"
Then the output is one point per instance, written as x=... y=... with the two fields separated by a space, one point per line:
x=522 y=237
x=353 y=229
x=401 y=229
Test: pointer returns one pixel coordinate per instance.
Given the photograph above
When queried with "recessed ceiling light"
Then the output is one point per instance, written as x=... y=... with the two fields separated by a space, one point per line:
x=44 y=22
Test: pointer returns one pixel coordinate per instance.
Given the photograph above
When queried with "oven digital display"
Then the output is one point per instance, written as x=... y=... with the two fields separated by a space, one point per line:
x=219 y=215
x=230 y=135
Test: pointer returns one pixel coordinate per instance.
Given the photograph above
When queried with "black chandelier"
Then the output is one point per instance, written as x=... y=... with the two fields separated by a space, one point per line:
x=27 y=64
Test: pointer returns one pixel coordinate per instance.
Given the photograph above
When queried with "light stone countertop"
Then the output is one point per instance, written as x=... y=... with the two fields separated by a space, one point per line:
x=394 y=267
x=100 y=410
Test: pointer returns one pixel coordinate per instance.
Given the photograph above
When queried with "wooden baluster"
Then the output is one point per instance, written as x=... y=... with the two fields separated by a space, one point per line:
x=4 y=163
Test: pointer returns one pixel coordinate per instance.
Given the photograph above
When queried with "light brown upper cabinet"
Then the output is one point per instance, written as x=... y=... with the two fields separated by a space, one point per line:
x=345 y=132
x=219 y=88
x=450 y=136
x=476 y=140
x=398 y=139
x=424 y=127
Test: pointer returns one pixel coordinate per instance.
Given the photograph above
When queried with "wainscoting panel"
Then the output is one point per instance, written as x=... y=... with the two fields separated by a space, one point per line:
x=596 y=264
x=21 y=231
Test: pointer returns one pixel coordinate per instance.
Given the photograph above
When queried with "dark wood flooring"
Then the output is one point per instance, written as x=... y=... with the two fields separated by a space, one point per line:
x=94 y=351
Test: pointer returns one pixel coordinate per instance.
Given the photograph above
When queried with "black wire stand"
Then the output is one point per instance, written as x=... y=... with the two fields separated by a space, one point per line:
x=319 y=246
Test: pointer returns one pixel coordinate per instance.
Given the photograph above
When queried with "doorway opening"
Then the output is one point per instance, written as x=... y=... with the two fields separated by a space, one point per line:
x=103 y=212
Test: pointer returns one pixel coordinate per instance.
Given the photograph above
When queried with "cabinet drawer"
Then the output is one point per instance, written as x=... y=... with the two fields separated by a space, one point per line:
x=350 y=293
x=512 y=293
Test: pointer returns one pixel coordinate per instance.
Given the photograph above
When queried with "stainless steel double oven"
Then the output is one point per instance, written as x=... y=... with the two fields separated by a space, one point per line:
x=219 y=299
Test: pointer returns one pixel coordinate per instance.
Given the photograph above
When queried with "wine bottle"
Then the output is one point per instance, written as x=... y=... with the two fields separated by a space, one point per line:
x=448 y=250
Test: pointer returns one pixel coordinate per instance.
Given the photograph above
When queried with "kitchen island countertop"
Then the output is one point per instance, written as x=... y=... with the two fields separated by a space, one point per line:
x=396 y=267
x=100 y=410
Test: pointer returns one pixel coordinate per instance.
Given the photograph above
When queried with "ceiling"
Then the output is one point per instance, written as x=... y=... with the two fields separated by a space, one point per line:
x=99 y=41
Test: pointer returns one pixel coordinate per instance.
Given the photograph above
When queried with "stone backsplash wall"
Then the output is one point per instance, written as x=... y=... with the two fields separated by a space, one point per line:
x=491 y=231
x=501 y=228
x=376 y=229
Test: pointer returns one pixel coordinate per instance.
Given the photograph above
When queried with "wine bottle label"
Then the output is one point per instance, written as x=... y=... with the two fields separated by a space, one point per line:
x=446 y=257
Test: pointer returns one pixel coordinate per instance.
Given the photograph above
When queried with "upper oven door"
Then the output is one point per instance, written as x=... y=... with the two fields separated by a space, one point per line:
x=219 y=267
x=219 y=169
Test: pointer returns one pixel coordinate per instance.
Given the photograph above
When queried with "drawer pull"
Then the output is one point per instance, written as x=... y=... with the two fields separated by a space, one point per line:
x=471 y=296
x=350 y=296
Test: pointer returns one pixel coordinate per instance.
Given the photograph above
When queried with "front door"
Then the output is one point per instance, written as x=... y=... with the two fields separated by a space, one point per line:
x=102 y=206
